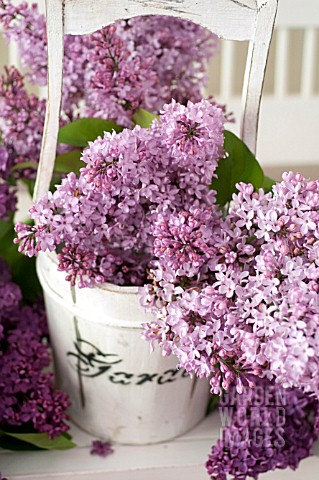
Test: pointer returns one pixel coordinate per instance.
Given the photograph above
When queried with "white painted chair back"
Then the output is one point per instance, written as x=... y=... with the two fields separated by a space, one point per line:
x=251 y=20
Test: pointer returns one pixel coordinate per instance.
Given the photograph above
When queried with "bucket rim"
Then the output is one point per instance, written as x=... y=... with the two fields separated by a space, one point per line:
x=106 y=286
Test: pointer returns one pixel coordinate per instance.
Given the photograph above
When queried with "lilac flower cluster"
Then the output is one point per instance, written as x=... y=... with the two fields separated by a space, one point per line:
x=121 y=77
x=280 y=300
x=267 y=428
x=178 y=51
x=8 y=201
x=24 y=25
x=103 y=219
x=190 y=310
x=21 y=124
x=143 y=62
x=6 y=161
x=27 y=395
x=238 y=296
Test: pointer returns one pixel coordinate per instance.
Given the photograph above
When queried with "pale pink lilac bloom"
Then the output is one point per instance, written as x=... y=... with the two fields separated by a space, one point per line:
x=255 y=294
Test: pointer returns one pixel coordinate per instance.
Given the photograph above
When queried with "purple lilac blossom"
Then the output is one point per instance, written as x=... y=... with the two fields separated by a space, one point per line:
x=142 y=62
x=278 y=301
x=21 y=123
x=103 y=218
x=24 y=25
x=145 y=62
x=267 y=428
x=28 y=397
x=8 y=201
x=6 y=161
x=250 y=305
x=179 y=51
x=120 y=77
x=185 y=239
x=101 y=448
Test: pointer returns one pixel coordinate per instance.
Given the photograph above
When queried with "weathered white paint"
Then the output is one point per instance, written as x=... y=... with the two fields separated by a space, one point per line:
x=255 y=72
x=231 y=19
x=55 y=35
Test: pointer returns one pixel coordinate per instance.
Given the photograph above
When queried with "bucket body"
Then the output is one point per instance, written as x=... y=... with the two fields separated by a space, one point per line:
x=119 y=390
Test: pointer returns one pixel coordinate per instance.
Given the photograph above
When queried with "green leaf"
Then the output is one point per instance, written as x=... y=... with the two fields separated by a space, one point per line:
x=10 y=443
x=85 y=130
x=30 y=185
x=213 y=401
x=42 y=440
x=6 y=226
x=240 y=165
x=69 y=162
x=23 y=165
x=268 y=184
x=143 y=118
x=24 y=274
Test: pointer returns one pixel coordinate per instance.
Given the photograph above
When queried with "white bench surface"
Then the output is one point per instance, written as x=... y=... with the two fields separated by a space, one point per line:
x=180 y=459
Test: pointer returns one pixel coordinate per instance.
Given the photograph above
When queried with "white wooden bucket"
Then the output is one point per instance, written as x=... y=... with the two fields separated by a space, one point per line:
x=119 y=390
